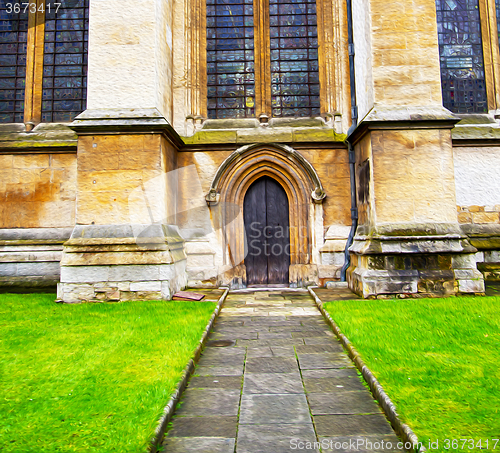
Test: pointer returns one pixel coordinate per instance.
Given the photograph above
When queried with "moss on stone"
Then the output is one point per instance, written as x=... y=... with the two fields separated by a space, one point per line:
x=264 y=135
x=475 y=132
x=211 y=136
x=43 y=136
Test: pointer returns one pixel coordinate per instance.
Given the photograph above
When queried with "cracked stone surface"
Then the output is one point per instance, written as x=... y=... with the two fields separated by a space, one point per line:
x=284 y=384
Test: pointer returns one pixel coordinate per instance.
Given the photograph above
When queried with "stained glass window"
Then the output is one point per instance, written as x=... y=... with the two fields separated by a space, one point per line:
x=13 y=40
x=294 y=58
x=65 y=61
x=230 y=59
x=461 y=55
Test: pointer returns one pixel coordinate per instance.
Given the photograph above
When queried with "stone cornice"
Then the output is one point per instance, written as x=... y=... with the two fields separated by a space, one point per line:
x=400 y=118
x=45 y=137
x=123 y=121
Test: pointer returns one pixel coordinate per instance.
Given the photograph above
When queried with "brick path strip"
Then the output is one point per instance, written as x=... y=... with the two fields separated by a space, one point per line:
x=274 y=379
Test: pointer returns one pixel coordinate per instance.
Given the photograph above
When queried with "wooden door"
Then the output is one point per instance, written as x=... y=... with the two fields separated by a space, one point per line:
x=265 y=212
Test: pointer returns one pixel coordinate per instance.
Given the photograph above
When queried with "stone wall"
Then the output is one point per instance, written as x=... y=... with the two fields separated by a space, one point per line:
x=37 y=190
x=125 y=244
x=130 y=55
x=478 y=202
x=206 y=255
x=477 y=184
x=111 y=171
x=396 y=54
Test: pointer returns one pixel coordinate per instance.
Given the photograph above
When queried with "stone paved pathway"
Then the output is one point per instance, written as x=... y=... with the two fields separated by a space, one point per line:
x=281 y=379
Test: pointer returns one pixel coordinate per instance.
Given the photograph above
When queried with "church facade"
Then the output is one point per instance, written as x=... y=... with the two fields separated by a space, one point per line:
x=153 y=145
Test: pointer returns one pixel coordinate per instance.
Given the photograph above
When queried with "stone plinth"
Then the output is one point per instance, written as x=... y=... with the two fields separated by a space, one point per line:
x=118 y=262
x=418 y=266
x=125 y=245
x=408 y=240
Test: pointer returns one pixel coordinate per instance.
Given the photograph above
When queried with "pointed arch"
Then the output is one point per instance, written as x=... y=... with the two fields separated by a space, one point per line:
x=287 y=152
x=291 y=170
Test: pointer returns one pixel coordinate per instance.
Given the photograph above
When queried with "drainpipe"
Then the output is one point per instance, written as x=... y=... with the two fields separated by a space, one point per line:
x=352 y=160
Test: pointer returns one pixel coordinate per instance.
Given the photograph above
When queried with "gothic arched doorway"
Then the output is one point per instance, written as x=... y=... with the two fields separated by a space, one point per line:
x=266 y=218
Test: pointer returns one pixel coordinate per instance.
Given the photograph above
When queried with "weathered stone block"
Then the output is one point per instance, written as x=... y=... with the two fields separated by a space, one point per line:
x=485 y=217
x=335 y=258
x=8 y=269
x=121 y=286
x=134 y=273
x=465 y=261
x=38 y=269
x=166 y=293
x=84 y=274
x=113 y=295
x=471 y=286
x=465 y=217
x=206 y=261
x=492 y=256
x=326 y=271
x=147 y=295
x=167 y=272
x=146 y=286
x=74 y=293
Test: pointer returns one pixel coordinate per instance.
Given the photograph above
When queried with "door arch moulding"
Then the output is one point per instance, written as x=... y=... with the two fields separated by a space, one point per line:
x=303 y=189
x=318 y=194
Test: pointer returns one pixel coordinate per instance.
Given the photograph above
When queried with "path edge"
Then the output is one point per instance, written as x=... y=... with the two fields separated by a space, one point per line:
x=186 y=374
x=402 y=430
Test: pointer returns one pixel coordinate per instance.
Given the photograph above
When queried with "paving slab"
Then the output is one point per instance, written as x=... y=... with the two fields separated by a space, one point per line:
x=198 y=445
x=231 y=336
x=260 y=343
x=323 y=360
x=319 y=348
x=204 y=427
x=270 y=351
x=280 y=383
x=209 y=370
x=266 y=409
x=220 y=382
x=210 y=402
x=330 y=372
x=322 y=385
x=346 y=425
x=360 y=444
x=316 y=340
x=211 y=352
x=274 y=438
x=274 y=335
x=262 y=383
x=271 y=365
x=342 y=403
x=224 y=360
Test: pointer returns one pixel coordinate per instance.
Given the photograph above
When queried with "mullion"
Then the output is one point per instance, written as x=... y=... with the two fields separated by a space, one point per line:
x=463 y=78
x=12 y=96
x=65 y=82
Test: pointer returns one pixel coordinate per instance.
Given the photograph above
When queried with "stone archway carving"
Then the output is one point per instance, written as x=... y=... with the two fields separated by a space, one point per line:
x=282 y=163
x=318 y=194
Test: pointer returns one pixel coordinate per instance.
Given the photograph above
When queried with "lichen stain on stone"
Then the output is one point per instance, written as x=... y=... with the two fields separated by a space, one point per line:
x=23 y=204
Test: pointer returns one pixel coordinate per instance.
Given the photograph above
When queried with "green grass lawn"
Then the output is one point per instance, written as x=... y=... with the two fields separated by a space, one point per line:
x=90 y=377
x=437 y=359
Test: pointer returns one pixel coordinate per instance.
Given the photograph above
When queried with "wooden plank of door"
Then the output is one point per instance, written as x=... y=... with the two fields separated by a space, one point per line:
x=277 y=232
x=254 y=213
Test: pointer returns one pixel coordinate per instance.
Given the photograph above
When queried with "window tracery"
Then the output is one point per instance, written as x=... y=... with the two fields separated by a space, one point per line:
x=461 y=55
x=286 y=42
x=43 y=66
